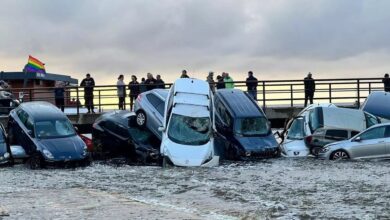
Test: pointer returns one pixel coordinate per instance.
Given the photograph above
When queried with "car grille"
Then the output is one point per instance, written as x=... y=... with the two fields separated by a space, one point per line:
x=267 y=153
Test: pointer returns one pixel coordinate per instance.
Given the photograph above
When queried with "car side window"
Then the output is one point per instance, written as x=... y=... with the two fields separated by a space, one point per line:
x=160 y=108
x=154 y=100
x=29 y=124
x=336 y=134
x=387 y=131
x=223 y=113
x=22 y=116
x=109 y=125
x=373 y=133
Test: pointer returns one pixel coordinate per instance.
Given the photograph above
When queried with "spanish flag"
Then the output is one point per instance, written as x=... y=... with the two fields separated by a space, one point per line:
x=34 y=65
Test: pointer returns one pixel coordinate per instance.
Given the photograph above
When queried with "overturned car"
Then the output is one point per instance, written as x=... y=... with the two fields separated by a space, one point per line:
x=318 y=125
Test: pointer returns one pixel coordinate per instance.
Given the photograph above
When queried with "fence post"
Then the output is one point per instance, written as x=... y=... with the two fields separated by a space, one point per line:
x=77 y=101
x=291 y=95
x=358 y=93
x=264 y=95
x=330 y=93
x=100 y=103
x=369 y=87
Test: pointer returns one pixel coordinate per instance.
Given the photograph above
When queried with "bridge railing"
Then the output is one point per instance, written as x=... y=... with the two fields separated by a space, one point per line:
x=269 y=93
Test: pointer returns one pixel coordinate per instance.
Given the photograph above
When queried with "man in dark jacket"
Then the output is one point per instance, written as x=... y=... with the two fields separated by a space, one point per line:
x=88 y=83
x=184 y=74
x=310 y=87
x=220 y=82
x=150 y=82
x=160 y=84
x=134 y=88
x=59 y=96
x=251 y=84
x=386 y=82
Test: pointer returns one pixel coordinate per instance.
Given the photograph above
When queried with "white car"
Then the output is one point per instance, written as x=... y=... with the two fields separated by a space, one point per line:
x=188 y=126
x=322 y=118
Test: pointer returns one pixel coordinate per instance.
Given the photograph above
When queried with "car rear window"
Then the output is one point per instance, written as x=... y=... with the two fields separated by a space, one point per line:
x=154 y=100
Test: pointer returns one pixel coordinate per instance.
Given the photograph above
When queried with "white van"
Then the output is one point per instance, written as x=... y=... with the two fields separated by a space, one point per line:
x=188 y=126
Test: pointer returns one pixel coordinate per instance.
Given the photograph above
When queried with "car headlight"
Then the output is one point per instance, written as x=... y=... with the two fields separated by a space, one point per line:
x=48 y=154
x=325 y=149
x=6 y=155
x=85 y=150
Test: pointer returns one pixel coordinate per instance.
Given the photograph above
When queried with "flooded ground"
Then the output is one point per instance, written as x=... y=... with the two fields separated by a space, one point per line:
x=269 y=189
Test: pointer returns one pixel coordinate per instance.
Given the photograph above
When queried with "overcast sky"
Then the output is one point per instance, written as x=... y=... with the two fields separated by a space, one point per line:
x=276 y=39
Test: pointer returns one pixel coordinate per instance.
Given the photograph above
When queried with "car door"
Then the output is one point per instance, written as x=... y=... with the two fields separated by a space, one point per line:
x=371 y=144
x=387 y=141
x=110 y=142
x=224 y=126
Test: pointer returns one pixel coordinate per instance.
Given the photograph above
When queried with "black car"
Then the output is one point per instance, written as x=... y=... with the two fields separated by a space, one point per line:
x=116 y=134
x=5 y=151
x=243 y=131
x=46 y=135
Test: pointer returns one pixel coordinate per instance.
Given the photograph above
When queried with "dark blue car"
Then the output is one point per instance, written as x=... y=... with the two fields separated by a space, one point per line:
x=46 y=135
x=243 y=131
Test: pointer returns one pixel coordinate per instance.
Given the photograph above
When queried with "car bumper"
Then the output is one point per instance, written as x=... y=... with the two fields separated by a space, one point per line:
x=260 y=154
x=68 y=163
x=212 y=163
x=4 y=158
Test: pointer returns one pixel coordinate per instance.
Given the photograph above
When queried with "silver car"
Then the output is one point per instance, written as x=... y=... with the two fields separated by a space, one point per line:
x=371 y=143
x=149 y=109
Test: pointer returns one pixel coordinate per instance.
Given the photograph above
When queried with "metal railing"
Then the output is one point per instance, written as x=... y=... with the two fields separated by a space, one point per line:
x=347 y=91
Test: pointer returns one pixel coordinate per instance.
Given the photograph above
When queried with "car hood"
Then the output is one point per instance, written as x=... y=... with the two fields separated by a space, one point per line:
x=64 y=148
x=257 y=143
x=187 y=155
x=294 y=148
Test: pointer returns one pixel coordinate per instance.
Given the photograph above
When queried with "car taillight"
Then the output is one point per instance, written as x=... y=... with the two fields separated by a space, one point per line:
x=139 y=97
x=308 y=139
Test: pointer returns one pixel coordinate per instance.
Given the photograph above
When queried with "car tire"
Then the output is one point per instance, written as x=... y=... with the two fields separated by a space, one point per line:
x=339 y=155
x=35 y=161
x=315 y=151
x=141 y=118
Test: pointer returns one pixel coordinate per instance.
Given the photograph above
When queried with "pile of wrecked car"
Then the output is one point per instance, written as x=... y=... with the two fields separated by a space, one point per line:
x=189 y=125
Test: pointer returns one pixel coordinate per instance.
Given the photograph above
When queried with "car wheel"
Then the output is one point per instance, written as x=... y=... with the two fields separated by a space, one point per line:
x=339 y=155
x=35 y=161
x=315 y=151
x=141 y=118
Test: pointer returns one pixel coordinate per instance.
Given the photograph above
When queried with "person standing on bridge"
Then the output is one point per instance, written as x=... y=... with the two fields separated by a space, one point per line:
x=134 y=88
x=160 y=84
x=251 y=84
x=229 y=84
x=150 y=82
x=59 y=96
x=310 y=87
x=88 y=83
x=220 y=82
x=121 y=91
x=184 y=74
x=210 y=81
x=386 y=82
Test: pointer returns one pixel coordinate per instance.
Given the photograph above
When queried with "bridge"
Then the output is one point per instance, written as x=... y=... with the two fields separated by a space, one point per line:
x=281 y=99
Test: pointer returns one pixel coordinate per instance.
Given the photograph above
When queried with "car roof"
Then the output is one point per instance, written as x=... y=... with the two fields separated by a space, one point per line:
x=41 y=111
x=116 y=115
x=162 y=92
x=239 y=103
x=377 y=103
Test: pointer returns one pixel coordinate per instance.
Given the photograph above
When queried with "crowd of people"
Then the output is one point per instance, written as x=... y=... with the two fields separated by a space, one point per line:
x=223 y=81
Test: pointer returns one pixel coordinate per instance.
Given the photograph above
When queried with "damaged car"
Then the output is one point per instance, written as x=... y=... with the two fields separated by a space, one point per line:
x=243 y=129
x=377 y=103
x=371 y=143
x=46 y=136
x=116 y=134
x=149 y=109
x=318 y=125
x=188 y=125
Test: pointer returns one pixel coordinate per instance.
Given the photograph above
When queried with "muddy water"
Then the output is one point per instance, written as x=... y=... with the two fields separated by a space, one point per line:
x=268 y=189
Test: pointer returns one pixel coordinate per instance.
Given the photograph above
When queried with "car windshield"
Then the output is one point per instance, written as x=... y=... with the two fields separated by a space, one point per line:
x=257 y=126
x=189 y=130
x=296 y=130
x=54 y=129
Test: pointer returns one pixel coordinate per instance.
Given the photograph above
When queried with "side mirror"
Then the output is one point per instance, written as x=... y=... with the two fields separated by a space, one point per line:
x=18 y=152
x=161 y=128
x=76 y=129
x=358 y=139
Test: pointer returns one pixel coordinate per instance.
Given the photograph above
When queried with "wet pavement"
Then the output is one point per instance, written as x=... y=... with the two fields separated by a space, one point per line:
x=268 y=189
